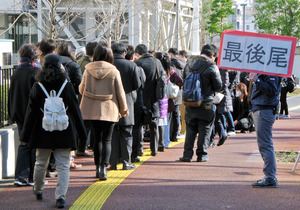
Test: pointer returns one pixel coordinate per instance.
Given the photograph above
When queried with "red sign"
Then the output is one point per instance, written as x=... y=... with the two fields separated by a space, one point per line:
x=257 y=53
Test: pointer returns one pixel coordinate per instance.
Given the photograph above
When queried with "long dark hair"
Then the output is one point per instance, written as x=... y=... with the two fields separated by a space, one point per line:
x=65 y=49
x=102 y=53
x=165 y=61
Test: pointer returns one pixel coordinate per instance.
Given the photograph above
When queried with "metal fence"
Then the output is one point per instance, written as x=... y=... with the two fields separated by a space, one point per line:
x=5 y=77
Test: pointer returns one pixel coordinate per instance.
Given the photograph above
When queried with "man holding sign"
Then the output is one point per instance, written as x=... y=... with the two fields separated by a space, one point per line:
x=267 y=57
x=264 y=105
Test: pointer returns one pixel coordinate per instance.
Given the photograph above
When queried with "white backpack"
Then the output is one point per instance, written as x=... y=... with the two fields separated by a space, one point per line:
x=55 y=116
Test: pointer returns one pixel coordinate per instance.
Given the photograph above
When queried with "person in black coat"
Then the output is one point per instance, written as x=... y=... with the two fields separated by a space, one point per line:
x=137 y=132
x=70 y=64
x=60 y=142
x=178 y=64
x=199 y=120
x=18 y=95
x=147 y=62
x=122 y=134
x=241 y=110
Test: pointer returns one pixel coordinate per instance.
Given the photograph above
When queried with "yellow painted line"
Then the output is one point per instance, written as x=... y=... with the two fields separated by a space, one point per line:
x=294 y=108
x=95 y=196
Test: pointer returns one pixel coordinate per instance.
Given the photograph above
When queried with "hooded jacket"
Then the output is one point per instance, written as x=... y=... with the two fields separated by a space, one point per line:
x=103 y=95
x=211 y=83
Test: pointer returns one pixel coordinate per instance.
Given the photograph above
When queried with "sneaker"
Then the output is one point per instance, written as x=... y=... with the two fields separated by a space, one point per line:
x=202 y=159
x=185 y=159
x=20 y=182
x=266 y=183
x=212 y=144
x=30 y=183
x=221 y=141
x=51 y=174
x=180 y=136
x=231 y=133
x=284 y=116
x=60 y=203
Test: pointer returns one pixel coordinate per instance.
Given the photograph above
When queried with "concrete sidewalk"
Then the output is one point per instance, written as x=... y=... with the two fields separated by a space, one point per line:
x=162 y=182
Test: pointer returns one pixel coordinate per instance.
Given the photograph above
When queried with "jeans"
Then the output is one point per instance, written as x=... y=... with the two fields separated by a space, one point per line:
x=263 y=121
x=167 y=132
x=218 y=127
x=227 y=117
x=62 y=157
x=103 y=131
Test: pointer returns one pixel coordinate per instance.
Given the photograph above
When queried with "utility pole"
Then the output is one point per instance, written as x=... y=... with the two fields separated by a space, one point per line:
x=244 y=15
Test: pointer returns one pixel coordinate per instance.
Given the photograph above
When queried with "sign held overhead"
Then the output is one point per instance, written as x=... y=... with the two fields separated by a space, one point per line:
x=257 y=53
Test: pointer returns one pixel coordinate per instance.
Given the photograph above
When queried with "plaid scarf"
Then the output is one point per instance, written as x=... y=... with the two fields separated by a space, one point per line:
x=27 y=63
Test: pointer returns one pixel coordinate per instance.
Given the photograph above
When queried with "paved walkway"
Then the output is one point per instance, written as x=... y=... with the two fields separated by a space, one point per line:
x=162 y=182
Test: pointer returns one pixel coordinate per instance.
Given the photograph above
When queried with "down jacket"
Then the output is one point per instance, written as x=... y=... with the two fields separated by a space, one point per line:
x=103 y=95
x=211 y=83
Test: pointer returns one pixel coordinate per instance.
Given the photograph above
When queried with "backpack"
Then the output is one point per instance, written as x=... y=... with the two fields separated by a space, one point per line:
x=161 y=88
x=55 y=115
x=192 y=88
x=290 y=84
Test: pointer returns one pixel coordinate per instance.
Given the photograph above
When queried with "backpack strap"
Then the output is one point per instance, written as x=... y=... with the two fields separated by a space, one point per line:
x=62 y=87
x=44 y=89
x=156 y=67
x=205 y=66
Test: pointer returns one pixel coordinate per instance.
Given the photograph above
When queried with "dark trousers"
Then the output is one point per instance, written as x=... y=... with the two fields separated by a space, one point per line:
x=137 y=140
x=121 y=144
x=204 y=129
x=175 y=124
x=25 y=160
x=283 y=103
x=102 y=147
x=161 y=134
x=82 y=142
x=153 y=136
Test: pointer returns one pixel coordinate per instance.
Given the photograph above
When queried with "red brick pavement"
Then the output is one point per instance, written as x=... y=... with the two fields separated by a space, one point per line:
x=164 y=183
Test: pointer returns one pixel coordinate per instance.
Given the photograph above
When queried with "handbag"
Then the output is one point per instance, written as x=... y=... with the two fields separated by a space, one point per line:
x=160 y=89
x=172 y=90
x=218 y=98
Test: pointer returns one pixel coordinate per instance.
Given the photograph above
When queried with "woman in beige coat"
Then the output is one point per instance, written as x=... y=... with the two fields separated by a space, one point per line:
x=103 y=103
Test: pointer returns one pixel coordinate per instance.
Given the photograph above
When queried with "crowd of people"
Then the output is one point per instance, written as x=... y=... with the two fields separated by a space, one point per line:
x=111 y=103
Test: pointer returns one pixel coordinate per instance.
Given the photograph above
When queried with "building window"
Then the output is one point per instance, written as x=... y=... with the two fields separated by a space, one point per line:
x=238 y=11
x=22 y=31
x=238 y=25
x=6 y=57
x=247 y=27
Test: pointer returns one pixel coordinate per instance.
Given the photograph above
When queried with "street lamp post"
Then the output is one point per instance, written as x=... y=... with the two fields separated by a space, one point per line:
x=244 y=15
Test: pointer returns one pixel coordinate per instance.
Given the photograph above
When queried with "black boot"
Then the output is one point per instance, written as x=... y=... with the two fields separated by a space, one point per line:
x=103 y=175
x=97 y=171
